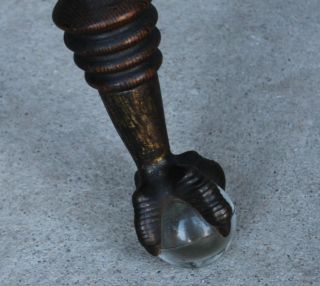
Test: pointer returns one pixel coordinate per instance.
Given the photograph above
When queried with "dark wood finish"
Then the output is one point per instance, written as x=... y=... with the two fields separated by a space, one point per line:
x=116 y=44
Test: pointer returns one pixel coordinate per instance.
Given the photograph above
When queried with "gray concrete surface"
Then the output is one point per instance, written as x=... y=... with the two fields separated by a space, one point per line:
x=241 y=84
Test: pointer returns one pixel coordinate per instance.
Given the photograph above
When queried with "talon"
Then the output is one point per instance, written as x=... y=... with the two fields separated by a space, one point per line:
x=147 y=221
x=205 y=197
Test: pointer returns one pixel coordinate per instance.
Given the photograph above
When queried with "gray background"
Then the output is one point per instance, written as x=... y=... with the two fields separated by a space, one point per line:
x=241 y=85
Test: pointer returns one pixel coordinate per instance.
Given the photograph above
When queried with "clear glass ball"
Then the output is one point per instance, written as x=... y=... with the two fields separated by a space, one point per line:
x=188 y=240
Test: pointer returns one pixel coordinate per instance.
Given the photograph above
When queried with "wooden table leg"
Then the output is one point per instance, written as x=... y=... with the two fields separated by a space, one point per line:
x=116 y=44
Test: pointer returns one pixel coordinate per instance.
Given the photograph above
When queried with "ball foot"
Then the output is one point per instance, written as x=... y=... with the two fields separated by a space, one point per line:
x=182 y=213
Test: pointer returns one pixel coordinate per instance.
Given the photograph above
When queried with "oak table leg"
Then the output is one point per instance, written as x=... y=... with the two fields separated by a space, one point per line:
x=116 y=44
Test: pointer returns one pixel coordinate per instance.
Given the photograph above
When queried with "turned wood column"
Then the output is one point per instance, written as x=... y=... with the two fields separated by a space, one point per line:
x=116 y=44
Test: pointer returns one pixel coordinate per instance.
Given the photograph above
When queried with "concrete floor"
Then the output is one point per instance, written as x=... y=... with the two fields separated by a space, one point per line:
x=241 y=85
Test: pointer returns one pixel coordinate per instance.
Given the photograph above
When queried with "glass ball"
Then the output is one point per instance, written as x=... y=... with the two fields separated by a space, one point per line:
x=188 y=240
